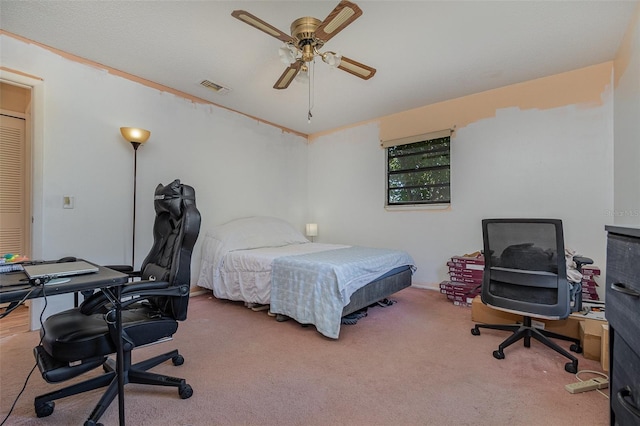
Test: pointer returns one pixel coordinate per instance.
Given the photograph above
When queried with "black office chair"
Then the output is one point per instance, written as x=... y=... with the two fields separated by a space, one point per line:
x=81 y=339
x=525 y=273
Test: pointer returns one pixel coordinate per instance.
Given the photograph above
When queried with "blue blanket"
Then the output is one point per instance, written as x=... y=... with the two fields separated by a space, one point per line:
x=314 y=288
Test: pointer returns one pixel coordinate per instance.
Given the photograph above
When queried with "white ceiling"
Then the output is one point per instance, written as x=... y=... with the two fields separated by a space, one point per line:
x=424 y=51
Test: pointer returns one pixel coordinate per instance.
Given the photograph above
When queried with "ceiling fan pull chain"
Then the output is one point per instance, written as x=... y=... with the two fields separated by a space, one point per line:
x=312 y=72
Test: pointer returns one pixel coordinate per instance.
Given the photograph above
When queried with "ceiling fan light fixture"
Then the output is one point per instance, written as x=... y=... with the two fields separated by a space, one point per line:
x=303 y=75
x=287 y=54
x=332 y=59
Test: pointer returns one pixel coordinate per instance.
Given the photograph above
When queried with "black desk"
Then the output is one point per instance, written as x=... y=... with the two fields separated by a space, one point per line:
x=13 y=288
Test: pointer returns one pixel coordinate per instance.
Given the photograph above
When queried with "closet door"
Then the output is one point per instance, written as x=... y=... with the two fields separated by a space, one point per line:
x=14 y=187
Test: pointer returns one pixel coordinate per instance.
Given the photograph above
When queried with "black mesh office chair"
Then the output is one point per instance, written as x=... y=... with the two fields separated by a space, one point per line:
x=81 y=339
x=525 y=273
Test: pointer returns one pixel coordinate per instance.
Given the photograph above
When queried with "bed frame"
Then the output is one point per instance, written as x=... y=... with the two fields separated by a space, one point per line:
x=377 y=290
x=373 y=292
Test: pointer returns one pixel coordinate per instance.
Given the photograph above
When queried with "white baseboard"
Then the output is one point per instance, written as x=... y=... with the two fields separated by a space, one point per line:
x=197 y=292
x=425 y=287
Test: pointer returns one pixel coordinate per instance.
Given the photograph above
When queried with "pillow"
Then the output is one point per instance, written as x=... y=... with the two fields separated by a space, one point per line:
x=256 y=232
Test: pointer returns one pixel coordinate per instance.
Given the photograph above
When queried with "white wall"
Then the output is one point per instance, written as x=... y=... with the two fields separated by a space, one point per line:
x=238 y=166
x=627 y=128
x=553 y=162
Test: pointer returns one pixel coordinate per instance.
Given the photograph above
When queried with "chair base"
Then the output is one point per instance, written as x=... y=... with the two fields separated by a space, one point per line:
x=526 y=331
x=133 y=373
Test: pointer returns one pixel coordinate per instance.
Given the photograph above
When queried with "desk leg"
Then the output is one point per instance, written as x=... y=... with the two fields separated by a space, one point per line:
x=120 y=357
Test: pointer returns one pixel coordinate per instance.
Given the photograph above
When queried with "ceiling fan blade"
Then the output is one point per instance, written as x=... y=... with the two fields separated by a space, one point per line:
x=288 y=75
x=258 y=23
x=341 y=16
x=356 y=68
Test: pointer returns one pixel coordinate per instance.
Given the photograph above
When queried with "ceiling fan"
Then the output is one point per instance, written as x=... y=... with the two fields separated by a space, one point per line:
x=308 y=36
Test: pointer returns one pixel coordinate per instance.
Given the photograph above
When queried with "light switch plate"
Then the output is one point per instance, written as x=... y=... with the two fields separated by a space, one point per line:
x=68 y=202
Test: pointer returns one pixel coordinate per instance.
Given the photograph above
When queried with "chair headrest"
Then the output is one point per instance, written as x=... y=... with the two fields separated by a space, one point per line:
x=172 y=197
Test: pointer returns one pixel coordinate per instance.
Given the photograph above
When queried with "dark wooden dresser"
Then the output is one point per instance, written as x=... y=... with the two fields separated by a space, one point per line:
x=623 y=314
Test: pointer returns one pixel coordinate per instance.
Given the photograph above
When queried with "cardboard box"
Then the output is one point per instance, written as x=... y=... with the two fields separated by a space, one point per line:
x=604 y=348
x=484 y=314
x=590 y=270
x=591 y=338
x=468 y=260
x=593 y=333
x=466 y=272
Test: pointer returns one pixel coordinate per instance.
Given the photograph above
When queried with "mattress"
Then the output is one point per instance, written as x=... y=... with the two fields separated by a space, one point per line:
x=245 y=275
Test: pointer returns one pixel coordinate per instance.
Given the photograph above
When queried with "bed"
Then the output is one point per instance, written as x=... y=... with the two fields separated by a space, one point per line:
x=265 y=261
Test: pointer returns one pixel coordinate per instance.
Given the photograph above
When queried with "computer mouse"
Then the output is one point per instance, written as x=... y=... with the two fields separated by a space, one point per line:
x=67 y=259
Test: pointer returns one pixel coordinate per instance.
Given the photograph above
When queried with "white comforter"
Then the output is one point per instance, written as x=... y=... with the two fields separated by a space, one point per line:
x=245 y=275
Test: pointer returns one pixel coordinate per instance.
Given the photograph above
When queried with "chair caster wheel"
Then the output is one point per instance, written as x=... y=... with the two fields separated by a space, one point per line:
x=498 y=354
x=576 y=348
x=92 y=423
x=571 y=367
x=475 y=331
x=185 y=391
x=46 y=409
x=177 y=360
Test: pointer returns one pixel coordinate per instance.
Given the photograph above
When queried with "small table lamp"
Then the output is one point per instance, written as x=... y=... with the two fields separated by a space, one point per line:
x=311 y=230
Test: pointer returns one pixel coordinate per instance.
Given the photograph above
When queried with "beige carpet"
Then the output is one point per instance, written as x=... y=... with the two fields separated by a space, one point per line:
x=413 y=363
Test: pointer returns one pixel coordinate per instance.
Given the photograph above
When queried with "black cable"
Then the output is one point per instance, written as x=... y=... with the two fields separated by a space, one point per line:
x=24 y=386
x=8 y=311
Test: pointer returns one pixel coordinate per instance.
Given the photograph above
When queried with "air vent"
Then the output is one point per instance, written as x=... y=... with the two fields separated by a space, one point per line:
x=213 y=86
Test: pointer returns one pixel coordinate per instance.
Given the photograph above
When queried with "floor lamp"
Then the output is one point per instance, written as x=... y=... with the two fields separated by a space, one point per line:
x=137 y=137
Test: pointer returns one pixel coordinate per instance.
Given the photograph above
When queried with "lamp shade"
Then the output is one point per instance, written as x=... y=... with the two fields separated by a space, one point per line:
x=312 y=230
x=332 y=58
x=133 y=134
x=303 y=76
x=287 y=54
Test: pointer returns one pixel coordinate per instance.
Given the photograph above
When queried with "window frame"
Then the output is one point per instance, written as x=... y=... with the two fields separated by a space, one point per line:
x=427 y=137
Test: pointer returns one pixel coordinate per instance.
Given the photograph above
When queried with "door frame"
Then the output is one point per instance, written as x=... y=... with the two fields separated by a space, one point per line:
x=34 y=137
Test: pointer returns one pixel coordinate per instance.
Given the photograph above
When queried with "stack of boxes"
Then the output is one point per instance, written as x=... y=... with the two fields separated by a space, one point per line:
x=465 y=279
x=589 y=284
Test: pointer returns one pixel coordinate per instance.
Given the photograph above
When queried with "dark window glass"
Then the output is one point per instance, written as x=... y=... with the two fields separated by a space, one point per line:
x=419 y=173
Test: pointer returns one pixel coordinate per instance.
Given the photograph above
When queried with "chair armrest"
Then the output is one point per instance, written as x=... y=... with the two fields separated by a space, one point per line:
x=176 y=291
x=138 y=286
x=120 y=268
x=125 y=269
x=137 y=290
x=581 y=260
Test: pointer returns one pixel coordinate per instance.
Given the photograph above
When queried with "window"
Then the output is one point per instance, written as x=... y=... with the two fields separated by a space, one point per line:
x=419 y=172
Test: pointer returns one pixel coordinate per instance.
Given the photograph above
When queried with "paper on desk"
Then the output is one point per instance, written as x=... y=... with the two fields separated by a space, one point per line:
x=592 y=310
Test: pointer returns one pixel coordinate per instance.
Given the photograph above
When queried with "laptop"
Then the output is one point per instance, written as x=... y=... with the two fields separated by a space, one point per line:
x=57 y=270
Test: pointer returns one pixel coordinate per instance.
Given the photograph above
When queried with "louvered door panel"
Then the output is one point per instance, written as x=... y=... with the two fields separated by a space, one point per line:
x=13 y=192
